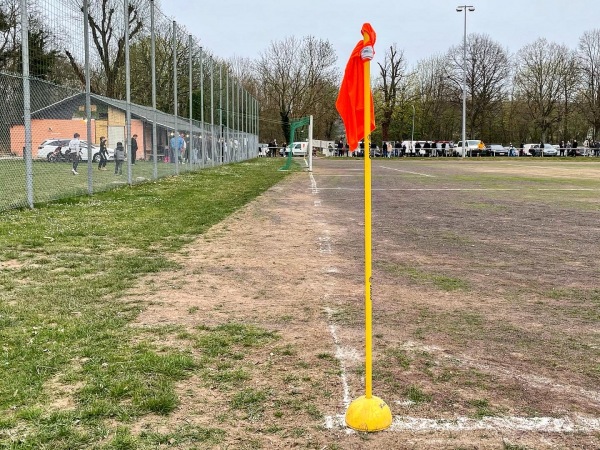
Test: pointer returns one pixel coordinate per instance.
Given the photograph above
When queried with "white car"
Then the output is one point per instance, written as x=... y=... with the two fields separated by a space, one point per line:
x=474 y=147
x=298 y=148
x=49 y=145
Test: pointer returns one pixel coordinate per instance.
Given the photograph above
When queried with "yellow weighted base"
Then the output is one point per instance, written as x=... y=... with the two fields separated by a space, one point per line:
x=368 y=414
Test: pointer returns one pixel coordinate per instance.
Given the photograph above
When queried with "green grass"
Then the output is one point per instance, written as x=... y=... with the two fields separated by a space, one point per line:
x=416 y=395
x=52 y=181
x=64 y=327
x=419 y=276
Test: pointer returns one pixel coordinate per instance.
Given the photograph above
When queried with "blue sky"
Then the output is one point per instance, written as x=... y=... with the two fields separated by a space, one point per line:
x=421 y=28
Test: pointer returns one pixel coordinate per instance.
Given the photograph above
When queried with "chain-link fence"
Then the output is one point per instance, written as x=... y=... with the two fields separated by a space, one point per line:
x=146 y=104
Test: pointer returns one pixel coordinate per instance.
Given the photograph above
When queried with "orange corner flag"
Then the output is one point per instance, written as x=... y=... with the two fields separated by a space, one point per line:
x=351 y=102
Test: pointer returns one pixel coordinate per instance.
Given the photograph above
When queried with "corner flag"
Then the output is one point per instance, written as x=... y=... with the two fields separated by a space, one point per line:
x=351 y=99
x=355 y=104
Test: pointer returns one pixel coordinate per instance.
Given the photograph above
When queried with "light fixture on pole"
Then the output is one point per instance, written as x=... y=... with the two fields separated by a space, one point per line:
x=464 y=8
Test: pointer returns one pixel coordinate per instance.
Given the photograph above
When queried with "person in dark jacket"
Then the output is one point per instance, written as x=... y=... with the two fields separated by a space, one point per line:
x=134 y=147
x=103 y=154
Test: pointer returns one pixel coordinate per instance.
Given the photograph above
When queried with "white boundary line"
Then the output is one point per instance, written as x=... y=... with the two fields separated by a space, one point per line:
x=462 y=189
x=340 y=353
x=574 y=424
x=407 y=171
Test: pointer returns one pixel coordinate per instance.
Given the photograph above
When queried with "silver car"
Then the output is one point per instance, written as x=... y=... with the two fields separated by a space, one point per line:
x=497 y=150
x=548 y=150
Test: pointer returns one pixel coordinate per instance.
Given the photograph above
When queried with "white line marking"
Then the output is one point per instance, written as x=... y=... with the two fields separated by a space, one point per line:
x=325 y=245
x=313 y=184
x=461 y=189
x=407 y=171
x=573 y=424
x=340 y=355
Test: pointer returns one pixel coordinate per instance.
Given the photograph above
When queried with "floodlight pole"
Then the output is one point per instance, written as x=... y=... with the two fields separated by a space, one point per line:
x=412 y=136
x=464 y=8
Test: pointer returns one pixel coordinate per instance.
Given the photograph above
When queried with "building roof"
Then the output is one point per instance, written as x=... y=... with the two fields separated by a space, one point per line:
x=64 y=110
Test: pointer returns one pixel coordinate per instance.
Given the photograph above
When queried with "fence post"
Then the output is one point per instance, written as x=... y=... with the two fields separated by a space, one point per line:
x=202 y=129
x=127 y=93
x=221 y=142
x=239 y=113
x=228 y=140
x=191 y=143
x=212 y=117
x=234 y=134
x=176 y=149
x=88 y=101
x=27 y=154
x=153 y=63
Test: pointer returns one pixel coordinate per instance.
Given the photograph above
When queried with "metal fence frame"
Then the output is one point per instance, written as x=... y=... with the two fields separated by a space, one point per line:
x=209 y=144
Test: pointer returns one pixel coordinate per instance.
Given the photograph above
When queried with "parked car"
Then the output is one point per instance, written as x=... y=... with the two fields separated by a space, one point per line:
x=497 y=150
x=527 y=149
x=473 y=147
x=374 y=151
x=48 y=146
x=297 y=148
x=548 y=150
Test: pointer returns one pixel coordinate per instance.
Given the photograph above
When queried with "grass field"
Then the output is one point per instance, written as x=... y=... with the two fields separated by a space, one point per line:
x=64 y=267
x=224 y=328
x=52 y=181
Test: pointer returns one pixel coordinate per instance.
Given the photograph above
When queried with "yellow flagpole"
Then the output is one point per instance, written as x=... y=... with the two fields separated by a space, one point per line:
x=368 y=226
x=368 y=413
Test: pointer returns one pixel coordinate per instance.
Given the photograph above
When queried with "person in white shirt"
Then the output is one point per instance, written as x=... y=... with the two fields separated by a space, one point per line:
x=74 y=147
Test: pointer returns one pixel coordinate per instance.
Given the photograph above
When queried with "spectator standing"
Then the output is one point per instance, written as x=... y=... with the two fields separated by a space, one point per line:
x=183 y=148
x=103 y=154
x=339 y=148
x=134 y=147
x=574 y=145
x=119 y=158
x=75 y=148
x=427 y=148
x=172 y=148
x=562 y=148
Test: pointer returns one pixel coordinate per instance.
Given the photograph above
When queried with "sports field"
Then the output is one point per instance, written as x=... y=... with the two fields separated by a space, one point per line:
x=486 y=304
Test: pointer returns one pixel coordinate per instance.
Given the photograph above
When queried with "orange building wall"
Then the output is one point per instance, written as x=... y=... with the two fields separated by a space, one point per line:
x=42 y=129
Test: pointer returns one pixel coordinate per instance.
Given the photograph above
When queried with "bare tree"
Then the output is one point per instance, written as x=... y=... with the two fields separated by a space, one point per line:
x=297 y=78
x=588 y=58
x=488 y=75
x=392 y=75
x=432 y=95
x=105 y=18
x=9 y=35
x=541 y=70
